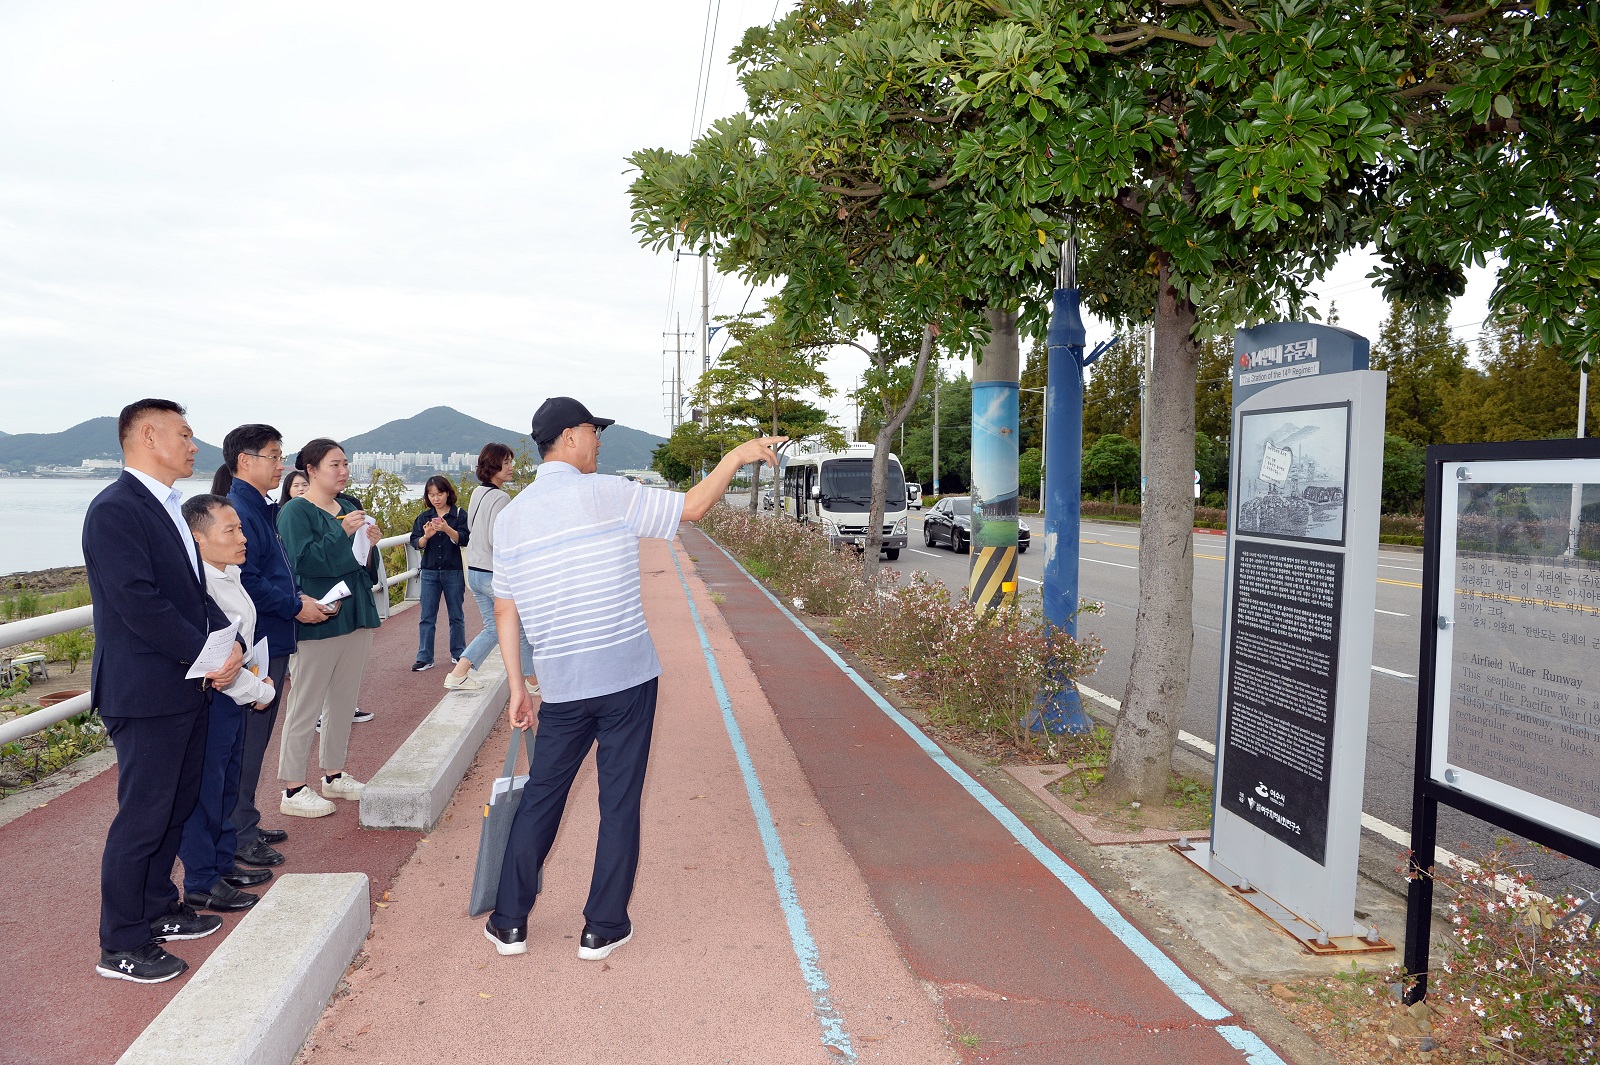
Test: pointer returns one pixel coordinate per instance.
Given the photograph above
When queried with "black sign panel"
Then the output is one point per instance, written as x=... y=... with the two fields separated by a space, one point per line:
x=1283 y=661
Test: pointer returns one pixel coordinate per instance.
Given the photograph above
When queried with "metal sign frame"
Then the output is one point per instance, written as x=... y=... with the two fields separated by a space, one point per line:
x=1430 y=789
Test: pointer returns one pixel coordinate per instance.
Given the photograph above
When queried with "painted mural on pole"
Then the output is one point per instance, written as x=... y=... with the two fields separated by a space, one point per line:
x=1292 y=472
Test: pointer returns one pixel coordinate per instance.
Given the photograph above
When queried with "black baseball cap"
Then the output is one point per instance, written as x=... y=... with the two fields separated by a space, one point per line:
x=558 y=414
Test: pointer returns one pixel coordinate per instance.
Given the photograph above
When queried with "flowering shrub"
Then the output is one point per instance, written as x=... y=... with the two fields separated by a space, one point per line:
x=1523 y=968
x=976 y=672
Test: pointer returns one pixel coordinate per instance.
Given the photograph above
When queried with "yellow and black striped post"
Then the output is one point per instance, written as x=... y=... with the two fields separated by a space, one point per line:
x=993 y=581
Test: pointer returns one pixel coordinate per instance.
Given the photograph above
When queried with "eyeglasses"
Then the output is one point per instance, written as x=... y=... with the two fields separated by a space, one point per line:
x=595 y=429
x=270 y=456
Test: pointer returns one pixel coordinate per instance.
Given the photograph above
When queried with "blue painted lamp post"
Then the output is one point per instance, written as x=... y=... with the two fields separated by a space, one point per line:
x=1059 y=708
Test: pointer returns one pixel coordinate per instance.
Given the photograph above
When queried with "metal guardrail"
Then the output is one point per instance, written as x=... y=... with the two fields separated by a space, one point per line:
x=31 y=629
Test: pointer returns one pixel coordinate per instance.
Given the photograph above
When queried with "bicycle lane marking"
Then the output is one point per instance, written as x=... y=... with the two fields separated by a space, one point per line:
x=1164 y=968
x=834 y=1035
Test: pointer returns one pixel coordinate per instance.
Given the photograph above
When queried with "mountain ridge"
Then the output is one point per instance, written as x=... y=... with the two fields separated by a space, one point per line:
x=439 y=429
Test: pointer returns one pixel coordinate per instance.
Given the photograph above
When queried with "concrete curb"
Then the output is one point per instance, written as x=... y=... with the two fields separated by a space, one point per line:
x=415 y=784
x=256 y=1000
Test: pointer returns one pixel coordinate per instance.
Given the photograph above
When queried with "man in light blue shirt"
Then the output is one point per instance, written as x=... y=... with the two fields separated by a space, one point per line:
x=566 y=567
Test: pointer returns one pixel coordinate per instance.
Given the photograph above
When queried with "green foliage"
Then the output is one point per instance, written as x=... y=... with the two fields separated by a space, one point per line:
x=1523 y=969
x=955 y=437
x=1111 y=462
x=1211 y=461
x=70 y=647
x=1111 y=395
x=979 y=672
x=35 y=757
x=1526 y=390
x=28 y=603
x=387 y=499
x=1404 y=467
x=1425 y=364
x=1030 y=467
x=1213 y=393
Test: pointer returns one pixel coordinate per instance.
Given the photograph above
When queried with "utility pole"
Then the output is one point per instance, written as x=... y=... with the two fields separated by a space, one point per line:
x=677 y=377
x=705 y=308
x=936 y=427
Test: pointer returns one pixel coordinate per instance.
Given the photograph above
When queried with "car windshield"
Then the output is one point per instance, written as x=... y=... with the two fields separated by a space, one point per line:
x=962 y=506
x=850 y=481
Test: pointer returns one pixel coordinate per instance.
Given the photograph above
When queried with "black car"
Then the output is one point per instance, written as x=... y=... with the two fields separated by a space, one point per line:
x=950 y=522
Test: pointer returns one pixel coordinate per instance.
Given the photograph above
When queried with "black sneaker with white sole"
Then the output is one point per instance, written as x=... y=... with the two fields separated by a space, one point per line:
x=362 y=715
x=146 y=964
x=418 y=667
x=507 y=940
x=183 y=924
x=595 y=947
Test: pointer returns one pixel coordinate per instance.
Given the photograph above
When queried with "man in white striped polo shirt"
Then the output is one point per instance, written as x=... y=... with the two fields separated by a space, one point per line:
x=566 y=567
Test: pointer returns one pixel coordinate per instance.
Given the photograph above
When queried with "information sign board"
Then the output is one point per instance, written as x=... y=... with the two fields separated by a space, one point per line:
x=1301 y=586
x=1270 y=354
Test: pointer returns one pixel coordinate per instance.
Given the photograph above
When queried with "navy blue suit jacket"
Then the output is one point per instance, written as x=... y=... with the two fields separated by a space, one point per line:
x=151 y=611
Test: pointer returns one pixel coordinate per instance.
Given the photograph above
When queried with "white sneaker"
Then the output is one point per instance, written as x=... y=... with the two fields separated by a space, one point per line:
x=343 y=786
x=305 y=803
x=465 y=684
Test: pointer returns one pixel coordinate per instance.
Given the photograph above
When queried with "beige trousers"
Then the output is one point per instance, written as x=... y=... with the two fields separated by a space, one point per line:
x=326 y=679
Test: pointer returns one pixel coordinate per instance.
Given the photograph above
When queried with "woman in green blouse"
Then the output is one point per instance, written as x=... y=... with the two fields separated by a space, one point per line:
x=319 y=531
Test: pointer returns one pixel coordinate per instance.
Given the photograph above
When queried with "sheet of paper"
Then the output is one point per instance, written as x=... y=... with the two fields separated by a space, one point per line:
x=337 y=592
x=214 y=655
x=361 y=546
x=260 y=656
x=504 y=786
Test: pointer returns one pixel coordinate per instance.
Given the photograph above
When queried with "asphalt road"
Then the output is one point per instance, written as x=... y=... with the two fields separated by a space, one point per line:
x=1109 y=573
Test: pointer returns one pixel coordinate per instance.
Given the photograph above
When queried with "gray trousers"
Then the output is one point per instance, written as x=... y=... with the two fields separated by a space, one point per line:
x=325 y=684
x=258 y=724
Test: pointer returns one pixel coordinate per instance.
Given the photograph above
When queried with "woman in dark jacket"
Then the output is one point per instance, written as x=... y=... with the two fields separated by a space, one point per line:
x=440 y=532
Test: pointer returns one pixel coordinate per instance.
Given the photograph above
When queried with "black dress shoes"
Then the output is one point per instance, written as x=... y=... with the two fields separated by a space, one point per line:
x=258 y=853
x=272 y=836
x=222 y=896
x=247 y=877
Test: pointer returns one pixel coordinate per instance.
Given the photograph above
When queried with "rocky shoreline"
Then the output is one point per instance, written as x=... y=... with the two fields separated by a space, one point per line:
x=43 y=581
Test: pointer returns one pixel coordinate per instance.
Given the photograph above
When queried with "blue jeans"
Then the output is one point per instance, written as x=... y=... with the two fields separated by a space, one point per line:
x=482 y=586
x=208 y=837
x=451 y=584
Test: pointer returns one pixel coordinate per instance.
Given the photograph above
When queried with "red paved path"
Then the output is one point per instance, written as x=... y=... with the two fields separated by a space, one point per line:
x=1015 y=957
x=930 y=920
x=56 y=1010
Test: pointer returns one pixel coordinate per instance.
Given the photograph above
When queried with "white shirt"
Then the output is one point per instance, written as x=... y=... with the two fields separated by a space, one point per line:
x=567 y=551
x=171 y=501
x=228 y=593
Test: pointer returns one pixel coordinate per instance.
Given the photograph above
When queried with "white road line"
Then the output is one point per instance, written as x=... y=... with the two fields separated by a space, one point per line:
x=1408 y=569
x=1391 y=613
x=1030 y=580
x=919 y=551
x=1394 y=673
x=1103 y=562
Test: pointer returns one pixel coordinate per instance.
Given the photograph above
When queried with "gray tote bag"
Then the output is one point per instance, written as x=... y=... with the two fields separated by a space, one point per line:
x=496 y=830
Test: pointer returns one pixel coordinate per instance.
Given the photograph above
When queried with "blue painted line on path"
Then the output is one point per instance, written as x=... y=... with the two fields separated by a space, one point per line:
x=1165 y=969
x=834 y=1035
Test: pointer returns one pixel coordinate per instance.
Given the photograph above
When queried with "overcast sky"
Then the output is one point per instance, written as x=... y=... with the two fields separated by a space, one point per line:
x=329 y=215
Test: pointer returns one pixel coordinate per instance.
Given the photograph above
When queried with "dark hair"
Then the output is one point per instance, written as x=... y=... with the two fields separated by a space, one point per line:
x=288 y=482
x=200 y=511
x=134 y=412
x=490 y=459
x=251 y=438
x=315 y=451
x=442 y=483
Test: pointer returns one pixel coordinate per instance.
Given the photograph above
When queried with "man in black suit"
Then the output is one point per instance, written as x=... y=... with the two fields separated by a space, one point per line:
x=151 y=618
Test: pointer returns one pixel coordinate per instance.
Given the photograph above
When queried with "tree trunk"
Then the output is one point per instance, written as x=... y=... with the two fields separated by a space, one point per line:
x=755 y=486
x=880 y=452
x=1163 y=634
